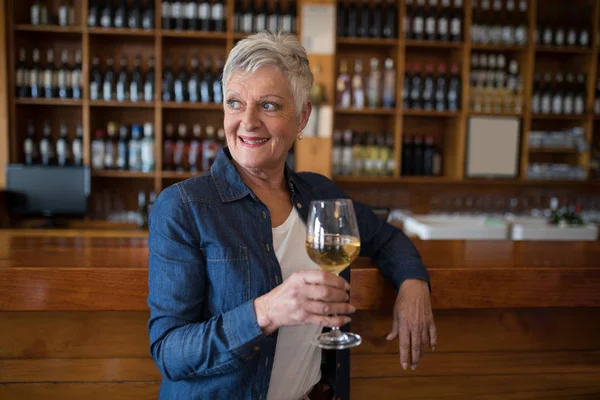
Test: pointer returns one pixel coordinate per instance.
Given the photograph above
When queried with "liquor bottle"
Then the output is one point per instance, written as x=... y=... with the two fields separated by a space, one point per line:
x=547 y=31
x=106 y=15
x=217 y=12
x=108 y=82
x=77 y=147
x=456 y=22
x=123 y=81
x=63 y=76
x=376 y=28
x=63 y=148
x=584 y=34
x=217 y=88
x=120 y=15
x=546 y=95
x=35 y=13
x=166 y=14
x=21 y=74
x=47 y=153
x=142 y=211
x=195 y=152
x=416 y=101
x=147 y=148
x=44 y=20
x=65 y=13
x=149 y=81
x=557 y=94
x=122 y=150
x=571 y=35
x=260 y=19
x=454 y=88
x=560 y=30
x=136 y=86
x=496 y=22
x=168 y=81
x=408 y=164
x=341 y=19
x=290 y=18
x=343 y=87
x=428 y=88
x=98 y=150
x=389 y=84
x=148 y=15
x=247 y=18
x=358 y=86
x=110 y=146
x=237 y=16
x=180 y=83
x=406 y=89
x=96 y=80
x=569 y=96
x=431 y=18
x=180 y=154
x=193 y=83
x=374 y=85
x=443 y=22
x=346 y=168
x=390 y=159
x=168 y=148
x=508 y=27
x=364 y=23
x=418 y=22
x=134 y=17
x=352 y=18
x=579 y=102
x=536 y=97
x=135 y=148
x=440 y=88
x=521 y=29
x=93 y=14
x=371 y=154
x=30 y=146
x=204 y=15
x=206 y=85
x=418 y=155
x=275 y=17
x=358 y=142
x=177 y=15
x=75 y=77
x=390 y=24
x=49 y=76
x=209 y=149
x=191 y=15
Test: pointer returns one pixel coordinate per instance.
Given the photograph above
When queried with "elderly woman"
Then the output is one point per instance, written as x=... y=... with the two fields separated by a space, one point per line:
x=234 y=299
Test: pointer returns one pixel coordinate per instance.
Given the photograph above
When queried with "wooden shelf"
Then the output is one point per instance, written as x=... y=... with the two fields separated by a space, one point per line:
x=562 y=50
x=48 y=28
x=572 y=117
x=121 y=31
x=122 y=104
x=550 y=150
x=433 y=44
x=367 y=41
x=179 y=175
x=191 y=106
x=193 y=34
x=498 y=47
x=49 y=102
x=239 y=35
x=385 y=179
x=424 y=113
x=121 y=174
x=366 y=111
x=494 y=114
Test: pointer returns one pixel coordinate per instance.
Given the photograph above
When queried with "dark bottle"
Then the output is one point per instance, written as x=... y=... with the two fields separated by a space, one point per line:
x=194 y=153
x=390 y=24
x=444 y=21
x=106 y=15
x=579 y=102
x=148 y=15
x=418 y=22
x=35 y=76
x=110 y=146
x=408 y=163
x=64 y=81
x=440 y=89
x=248 y=18
x=431 y=21
x=168 y=148
x=122 y=87
x=95 y=80
x=206 y=85
x=290 y=19
x=209 y=149
x=418 y=151
x=557 y=94
x=428 y=88
x=30 y=145
x=428 y=156
x=93 y=14
x=237 y=16
x=134 y=19
x=456 y=22
x=217 y=88
x=180 y=154
x=275 y=17
x=135 y=148
x=108 y=83
x=77 y=147
x=260 y=19
x=120 y=16
x=569 y=96
x=454 y=88
x=193 y=83
x=191 y=15
x=75 y=77
x=47 y=154
x=180 y=83
x=364 y=22
x=341 y=19
x=122 y=148
x=406 y=89
x=584 y=33
x=536 y=97
x=166 y=14
x=546 y=97
x=416 y=100
x=21 y=74
x=149 y=81
x=49 y=76
x=217 y=12
x=560 y=30
x=352 y=27
x=376 y=29
x=204 y=15
x=136 y=85
x=63 y=147
x=97 y=152
x=142 y=211
x=177 y=19
x=571 y=35
x=168 y=80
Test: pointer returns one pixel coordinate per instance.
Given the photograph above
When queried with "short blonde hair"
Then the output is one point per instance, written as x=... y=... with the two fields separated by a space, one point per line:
x=279 y=49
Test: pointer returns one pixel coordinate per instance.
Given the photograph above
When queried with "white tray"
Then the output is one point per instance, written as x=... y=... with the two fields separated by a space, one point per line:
x=432 y=227
x=538 y=229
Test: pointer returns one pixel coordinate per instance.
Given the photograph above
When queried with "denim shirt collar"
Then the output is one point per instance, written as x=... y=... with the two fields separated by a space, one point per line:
x=229 y=183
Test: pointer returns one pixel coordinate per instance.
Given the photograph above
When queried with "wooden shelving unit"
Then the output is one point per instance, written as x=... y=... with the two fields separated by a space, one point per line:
x=48 y=29
x=121 y=31
x=48 y=102
x=123 y=104
x=122 y=174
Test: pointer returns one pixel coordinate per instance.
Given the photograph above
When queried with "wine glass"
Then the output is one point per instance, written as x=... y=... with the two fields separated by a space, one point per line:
x=333 y=243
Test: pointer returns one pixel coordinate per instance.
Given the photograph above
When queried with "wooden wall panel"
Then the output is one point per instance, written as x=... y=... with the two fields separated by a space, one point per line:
x=4 y=93
x=78 y=391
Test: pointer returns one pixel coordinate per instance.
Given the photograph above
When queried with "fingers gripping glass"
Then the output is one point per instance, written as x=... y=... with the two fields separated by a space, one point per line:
x=333 y=243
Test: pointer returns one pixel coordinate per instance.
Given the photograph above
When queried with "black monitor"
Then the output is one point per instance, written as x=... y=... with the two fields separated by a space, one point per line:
x=48 y=192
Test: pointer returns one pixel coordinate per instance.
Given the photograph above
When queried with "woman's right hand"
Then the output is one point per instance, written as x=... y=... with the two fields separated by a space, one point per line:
x=306 y=297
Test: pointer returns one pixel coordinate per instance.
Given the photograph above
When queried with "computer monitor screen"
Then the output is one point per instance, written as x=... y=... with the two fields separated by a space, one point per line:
x=47 y=191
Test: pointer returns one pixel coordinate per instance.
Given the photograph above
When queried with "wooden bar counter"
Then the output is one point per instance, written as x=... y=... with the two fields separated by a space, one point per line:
x=516 y=320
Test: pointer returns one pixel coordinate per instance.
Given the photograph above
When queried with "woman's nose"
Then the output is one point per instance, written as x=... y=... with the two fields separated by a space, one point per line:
x=250 y=120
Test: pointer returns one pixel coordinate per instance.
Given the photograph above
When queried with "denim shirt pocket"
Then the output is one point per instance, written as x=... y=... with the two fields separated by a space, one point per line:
x=228 y=273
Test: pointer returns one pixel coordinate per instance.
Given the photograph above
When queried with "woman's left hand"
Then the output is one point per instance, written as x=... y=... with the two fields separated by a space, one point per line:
x=413 y=322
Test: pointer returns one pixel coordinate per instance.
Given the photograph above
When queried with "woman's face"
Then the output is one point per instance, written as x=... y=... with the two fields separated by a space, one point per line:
x=260 y=118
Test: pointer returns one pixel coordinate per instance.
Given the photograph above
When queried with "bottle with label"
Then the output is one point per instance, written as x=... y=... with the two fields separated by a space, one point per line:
x=35 y=13
x=416 y=100
x=63 y=147
x=546 y=95
x=343 y=86
x=177 y=15
x=443 y=22
x=120 y=15
x=206 y=84
x=209 y=149
x=47 y=149
x=95 y=80
x=390 y=20
x=557 y=94
x=135 y=148
x=536 y=97
x=181 y=81
x=22 y=74
x=193 y=83
x=217 y=13
x=275 y=16
x=454 y=89
x=389 y=84
x=77 y=146
x=147 y=148
x=523 y=22
x=122 y=148
x=358 y=146
x=110 y=146
x=65 y=13
x=168 y=81
x=579 y=102
x=336 y=159
x=371 y=155
x=98 y=150
x=456 y=21
x=108 y=83
x=30 y=148
x=142 y=213
x=358 y=86
x=166 y=14
x=428 y=88
x=180 y=156
x=35 y=76
x=106 y=15
x=123 y=80
x=346 y=168
x=136 y=86
x=134 y=17
x=149 y=81
x=168 y=148
x=204 y=15
x=74 y=78
x=408 y=164
x=418 y=154
x=390 y=158
x=440 y=88
x=260 y=19
x=431 y=19
x=191 y=15
x=217 y=86
x=352 y=21
x=569 y=95
x=148 y=16
x=195 y=152
x=374 y=85
x=363 y=19
x=418 y=22
x=50 y=76
x=93 y=14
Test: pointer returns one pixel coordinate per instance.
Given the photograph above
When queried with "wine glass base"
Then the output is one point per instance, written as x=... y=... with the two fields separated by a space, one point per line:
x=332 y=341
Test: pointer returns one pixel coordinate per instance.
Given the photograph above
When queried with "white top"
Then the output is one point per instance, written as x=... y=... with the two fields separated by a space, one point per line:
x=297 y=364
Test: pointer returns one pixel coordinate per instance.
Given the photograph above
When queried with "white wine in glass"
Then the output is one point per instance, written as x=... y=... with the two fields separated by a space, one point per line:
x=333 y=243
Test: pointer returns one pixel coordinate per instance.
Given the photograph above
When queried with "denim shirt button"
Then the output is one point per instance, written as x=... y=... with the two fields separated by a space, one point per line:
x=268 y=248
x=256 y=348
x=264 y=215
x=298 y=205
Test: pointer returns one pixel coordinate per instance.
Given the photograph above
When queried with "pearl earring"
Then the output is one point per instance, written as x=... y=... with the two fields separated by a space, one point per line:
x=300 y=137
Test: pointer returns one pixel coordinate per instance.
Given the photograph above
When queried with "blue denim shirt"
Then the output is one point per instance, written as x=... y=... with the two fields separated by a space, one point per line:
x=211 y=255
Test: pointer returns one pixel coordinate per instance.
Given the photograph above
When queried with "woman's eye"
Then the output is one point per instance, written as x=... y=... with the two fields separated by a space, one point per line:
x=269 y=106
x=233 y=104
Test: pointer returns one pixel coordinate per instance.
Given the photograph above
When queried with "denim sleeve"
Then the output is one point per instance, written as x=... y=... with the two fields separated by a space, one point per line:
x=183 y=343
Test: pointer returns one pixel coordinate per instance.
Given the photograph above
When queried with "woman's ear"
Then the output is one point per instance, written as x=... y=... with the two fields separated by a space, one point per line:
x=304 y=115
